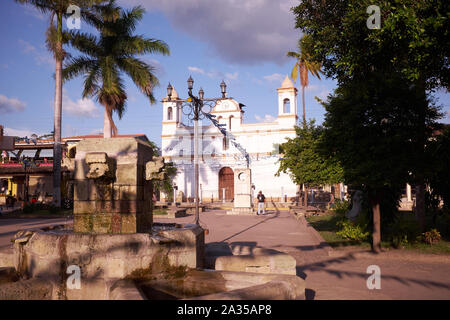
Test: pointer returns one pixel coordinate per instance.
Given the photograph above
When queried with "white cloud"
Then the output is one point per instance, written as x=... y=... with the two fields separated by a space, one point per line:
x=41 y=56
x=245 y=32
x=18 y=132
x=323 y=95
x=214 y=74
x=196 y=70
x=276 y=77
x=96 y=131
x=267 y=118
x=158 y=67
x=11 y=104
x=80 y=108
x=32 y=11
x=231 y=76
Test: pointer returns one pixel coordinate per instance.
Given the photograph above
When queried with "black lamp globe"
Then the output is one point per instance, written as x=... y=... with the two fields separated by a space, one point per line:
x=223 y=88
x=169 y=90
x=190 y=82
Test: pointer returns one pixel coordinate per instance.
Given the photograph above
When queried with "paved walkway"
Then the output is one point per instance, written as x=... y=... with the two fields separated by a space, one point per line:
x=10 y=226
x=330 y=274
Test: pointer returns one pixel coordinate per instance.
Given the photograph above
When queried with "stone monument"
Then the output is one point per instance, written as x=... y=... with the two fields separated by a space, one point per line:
x=242 y=192
x=356 y=206
x=113 y=233
x=111 y=194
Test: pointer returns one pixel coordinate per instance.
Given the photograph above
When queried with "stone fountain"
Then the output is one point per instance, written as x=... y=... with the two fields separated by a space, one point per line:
x=115 y=251
x=113 y=233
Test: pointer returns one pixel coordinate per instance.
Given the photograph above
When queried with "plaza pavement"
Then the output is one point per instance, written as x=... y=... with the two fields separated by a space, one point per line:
x=329 y=273
x=10 y=226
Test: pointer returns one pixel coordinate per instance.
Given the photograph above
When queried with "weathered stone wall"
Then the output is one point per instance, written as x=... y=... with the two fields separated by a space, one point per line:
x=103 y=258
x=120 y=203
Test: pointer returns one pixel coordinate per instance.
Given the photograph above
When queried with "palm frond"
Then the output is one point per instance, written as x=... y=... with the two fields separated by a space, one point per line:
x=131 y=45
x=85 y=43
x=77 y=66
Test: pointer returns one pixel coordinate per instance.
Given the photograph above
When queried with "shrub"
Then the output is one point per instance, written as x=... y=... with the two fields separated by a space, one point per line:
x=431 y=237
x=403 y=231
x=341 y=207
x=443 y=223
x=352 y=231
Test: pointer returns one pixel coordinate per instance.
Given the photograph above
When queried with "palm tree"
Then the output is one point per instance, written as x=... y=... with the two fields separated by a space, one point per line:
x=303 y=66
x=55 y=40
x=106 y=57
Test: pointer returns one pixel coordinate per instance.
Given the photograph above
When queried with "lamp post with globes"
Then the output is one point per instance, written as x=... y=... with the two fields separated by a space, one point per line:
x=197 y=108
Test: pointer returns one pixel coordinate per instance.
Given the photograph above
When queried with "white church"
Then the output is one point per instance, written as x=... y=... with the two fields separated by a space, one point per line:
x=219 y=158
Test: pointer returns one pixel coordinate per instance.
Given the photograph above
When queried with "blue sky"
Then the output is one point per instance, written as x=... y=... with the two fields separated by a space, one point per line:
x=241 y=42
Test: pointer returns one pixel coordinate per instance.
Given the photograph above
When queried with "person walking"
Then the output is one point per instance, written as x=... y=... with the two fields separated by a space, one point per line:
x=261 y=199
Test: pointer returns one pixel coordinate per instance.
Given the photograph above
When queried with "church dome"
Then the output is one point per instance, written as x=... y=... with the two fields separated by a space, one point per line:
x=287 y=83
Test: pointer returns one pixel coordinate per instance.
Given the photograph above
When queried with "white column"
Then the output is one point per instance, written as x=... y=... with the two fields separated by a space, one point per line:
x=408 y=192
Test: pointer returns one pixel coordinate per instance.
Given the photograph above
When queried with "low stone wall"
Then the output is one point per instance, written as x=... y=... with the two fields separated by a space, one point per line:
x=172 y=213
x=255 y=286
x=125 y=290
x=6 y=258
x=103 y=258
x=245 y=258
x=32 y=289
x=280 y=263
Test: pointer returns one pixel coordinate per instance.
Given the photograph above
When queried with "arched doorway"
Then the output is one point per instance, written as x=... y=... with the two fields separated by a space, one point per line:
x=226 y=180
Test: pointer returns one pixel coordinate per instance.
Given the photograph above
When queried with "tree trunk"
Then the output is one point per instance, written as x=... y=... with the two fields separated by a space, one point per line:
x=376 y=234
x=57 y=117
x=420 y=206
x=306 y=197
x=303 y=100
x=106 y=126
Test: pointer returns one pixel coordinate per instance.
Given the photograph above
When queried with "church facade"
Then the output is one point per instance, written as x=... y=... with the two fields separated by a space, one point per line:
x=219 y=158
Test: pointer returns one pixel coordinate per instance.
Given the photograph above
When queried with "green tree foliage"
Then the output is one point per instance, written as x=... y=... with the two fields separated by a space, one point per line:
x=304 y=66
x=304 y=162
x=439 y=148
x=413 y=38
x=55 y=39
x=113 y=53
x=170 y=172
x=369 y=125
x=382 y=139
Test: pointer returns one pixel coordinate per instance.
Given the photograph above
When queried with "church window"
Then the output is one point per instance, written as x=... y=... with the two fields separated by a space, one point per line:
x=229 y=122
x=169 y=113
x=286 y=106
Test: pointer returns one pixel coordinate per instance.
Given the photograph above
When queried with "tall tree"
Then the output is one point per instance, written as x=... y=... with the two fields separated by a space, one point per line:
x=304 y=66
x=410 y=44
x=368 y=128
x=439 y=148
x=304 y=161
x=55 y=40
x=112 y=53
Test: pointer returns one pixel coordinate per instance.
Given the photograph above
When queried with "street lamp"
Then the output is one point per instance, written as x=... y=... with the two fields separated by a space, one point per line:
x=223 y=88
x=197 y=108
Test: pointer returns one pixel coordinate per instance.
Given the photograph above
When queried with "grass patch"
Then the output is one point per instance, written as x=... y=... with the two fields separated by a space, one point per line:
x=160 y=212
x=442 y=247
x=327 y=226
